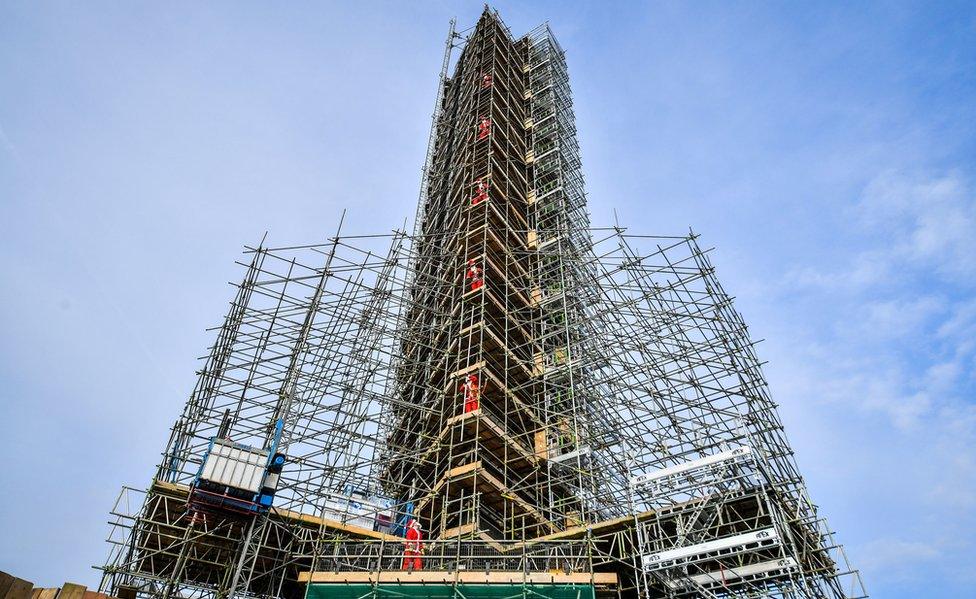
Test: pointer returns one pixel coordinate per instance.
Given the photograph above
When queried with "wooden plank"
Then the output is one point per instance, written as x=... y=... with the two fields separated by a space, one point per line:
x=512 y=289
x=490 y=423
x=458 y=531
x=511 y=496
x=615 y=524
x=488 y=333
x=462 y=471
x=459 y=576
x=515 y=399
x=483 y=536
x=465 y=371
x=5 y=581
x=579 y=531
x=48 y=594
x=541 y=446
x=470 y=470
x=305 y=519
x=458 y=471
x=126 y=592
x=504 y=250
x=71 y=590
x=486 y=426
x=328 y=524
x=19 y=589
x=451 y=474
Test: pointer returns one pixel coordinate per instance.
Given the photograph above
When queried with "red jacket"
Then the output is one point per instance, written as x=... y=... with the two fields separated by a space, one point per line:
x=414 y=539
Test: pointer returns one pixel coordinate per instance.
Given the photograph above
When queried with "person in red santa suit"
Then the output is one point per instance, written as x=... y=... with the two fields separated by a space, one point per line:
x=484 y=127
x=474 y=275
x=413 y=547
x=481 y=192
x=471 y=393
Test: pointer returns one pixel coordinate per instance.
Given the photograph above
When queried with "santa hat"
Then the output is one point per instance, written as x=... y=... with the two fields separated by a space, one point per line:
x=415 y=524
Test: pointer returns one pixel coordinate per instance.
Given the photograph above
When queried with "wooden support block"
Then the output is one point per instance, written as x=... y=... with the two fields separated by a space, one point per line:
x=536 y=296
x=464 y=531
x=72 y=591
x=19 y=589
x=462 y=470
x=5 y=581
x=48 y=594
x=464 y=371
x=126 y=592
x=541 y=446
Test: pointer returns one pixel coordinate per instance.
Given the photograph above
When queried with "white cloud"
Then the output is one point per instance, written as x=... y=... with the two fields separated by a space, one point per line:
x=899 y=316
x=929 y=222
x=961 y=322
x=878 y=386
x=942 y=376
x=920 y=225
x=866 y=269
x=911 y=283
x=887 y=346
x=896 y=557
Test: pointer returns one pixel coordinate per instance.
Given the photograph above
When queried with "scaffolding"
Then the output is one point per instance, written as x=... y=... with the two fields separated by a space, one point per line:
x=545 y=397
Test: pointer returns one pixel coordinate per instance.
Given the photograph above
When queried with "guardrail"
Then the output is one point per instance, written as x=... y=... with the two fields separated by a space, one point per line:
x=455 y=555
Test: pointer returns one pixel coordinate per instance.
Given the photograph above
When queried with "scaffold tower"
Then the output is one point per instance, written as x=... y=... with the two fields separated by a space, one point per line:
x=565 y=410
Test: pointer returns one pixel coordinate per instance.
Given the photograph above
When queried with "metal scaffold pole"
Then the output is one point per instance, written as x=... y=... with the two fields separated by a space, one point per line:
x=536 y=401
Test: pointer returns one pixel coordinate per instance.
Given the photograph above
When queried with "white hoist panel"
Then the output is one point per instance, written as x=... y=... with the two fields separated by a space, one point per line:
x=572 y=455
x=657 y=560
x=235 y=466
x=722 y=577
x=722 y=456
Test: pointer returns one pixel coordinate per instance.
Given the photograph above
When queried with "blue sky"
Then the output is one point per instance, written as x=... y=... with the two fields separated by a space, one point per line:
x=826 y=151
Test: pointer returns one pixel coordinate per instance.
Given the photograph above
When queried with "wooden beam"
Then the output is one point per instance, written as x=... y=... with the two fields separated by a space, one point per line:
x=5 y=581
x=458 y=531
x=308 y=520
x=449 y=475
x=459 y=577
x=72 y=591
x=19 y=589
